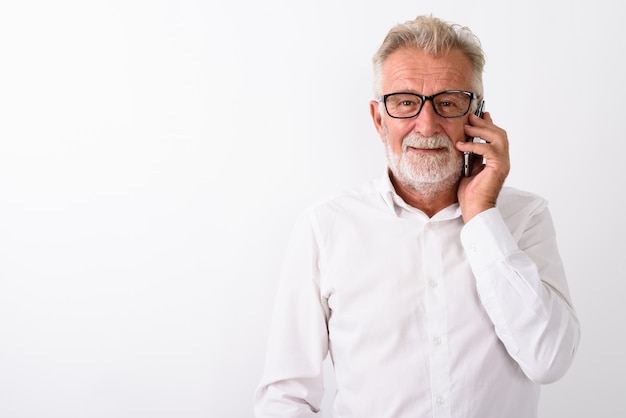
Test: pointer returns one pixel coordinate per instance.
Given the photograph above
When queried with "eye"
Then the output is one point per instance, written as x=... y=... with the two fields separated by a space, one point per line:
x=403 y=105
x=448 y=103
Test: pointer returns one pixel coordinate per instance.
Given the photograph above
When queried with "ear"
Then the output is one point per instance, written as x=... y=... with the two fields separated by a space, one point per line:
x=377 y=118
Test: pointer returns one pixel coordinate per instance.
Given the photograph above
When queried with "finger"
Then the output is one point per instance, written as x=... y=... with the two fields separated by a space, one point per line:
x=484 y=120
x=490 y=134
x=477 y=127
x=487 y=116
x=487 y=151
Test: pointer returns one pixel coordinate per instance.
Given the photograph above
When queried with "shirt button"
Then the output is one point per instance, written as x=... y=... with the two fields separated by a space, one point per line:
x=439 y=400
x=473 y=248
x=433 y=283
x=437 y=341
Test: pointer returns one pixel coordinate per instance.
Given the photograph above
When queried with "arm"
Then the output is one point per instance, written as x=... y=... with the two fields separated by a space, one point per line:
x=522 y=286
x=292 y=383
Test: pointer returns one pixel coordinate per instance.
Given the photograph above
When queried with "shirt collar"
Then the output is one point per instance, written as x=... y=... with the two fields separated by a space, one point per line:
x=397 y=205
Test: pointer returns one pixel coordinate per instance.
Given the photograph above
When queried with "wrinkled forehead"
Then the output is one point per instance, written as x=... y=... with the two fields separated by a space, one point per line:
x=413 y=70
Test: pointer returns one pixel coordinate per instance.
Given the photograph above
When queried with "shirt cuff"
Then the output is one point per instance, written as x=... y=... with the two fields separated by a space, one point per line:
x=487 y=239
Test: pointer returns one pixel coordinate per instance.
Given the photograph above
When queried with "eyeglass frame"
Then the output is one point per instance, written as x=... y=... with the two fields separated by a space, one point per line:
x=424 y=98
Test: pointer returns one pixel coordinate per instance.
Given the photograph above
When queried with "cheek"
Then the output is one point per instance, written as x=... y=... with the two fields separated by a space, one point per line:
x=395 y=142
x=395 y=133
x=453 y=127
x=456 y=133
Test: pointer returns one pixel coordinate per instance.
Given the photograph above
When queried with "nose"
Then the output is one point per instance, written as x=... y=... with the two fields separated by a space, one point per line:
x=427 y=121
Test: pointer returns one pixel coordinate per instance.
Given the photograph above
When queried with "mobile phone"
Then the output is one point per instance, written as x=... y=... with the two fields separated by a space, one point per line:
x=468 y=157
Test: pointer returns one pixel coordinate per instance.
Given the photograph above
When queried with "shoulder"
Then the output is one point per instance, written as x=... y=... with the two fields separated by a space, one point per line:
x=348 y=204
x=513 y=199
x=364 y=194
x=520 y=208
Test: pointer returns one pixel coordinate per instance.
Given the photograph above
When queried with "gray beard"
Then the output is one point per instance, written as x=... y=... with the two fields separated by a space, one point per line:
x=427 y=174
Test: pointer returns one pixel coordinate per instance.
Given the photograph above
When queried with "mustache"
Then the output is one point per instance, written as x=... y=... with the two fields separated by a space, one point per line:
x=414 y=140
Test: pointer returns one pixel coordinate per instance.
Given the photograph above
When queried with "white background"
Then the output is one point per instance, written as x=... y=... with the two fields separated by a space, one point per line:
x=153 y=155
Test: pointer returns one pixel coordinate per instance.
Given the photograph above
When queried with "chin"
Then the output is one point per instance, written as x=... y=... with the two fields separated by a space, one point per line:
x=430 y=189
x=428 y=179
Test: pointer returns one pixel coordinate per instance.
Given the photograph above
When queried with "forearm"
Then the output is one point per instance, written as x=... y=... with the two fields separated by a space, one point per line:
x=522 y=286
x=292 y=383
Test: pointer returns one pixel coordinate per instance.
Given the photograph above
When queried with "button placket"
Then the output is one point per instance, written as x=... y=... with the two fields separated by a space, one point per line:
x=437 y=318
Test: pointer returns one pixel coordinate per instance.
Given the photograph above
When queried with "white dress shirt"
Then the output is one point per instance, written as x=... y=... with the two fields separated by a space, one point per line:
x=422 y=317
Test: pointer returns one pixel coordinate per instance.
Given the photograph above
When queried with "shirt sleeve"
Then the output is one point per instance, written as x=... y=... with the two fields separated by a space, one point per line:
x=292 y=382
x=522 y=286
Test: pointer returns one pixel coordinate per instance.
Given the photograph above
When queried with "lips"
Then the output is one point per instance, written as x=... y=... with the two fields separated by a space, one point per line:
x=426 y=144
x=426 y=149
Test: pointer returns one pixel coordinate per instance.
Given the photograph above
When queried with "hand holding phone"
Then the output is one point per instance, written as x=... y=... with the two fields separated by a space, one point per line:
x=468 y=157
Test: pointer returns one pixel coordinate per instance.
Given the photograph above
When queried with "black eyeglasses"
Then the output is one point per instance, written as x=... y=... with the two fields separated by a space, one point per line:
x=448 y=104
